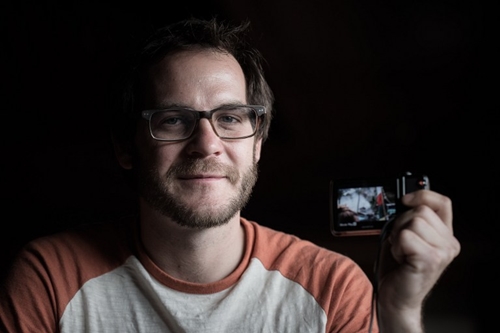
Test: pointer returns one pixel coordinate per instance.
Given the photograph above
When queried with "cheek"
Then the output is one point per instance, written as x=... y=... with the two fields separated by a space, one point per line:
x=159 y=156
x=244 y=155
x=154 y=154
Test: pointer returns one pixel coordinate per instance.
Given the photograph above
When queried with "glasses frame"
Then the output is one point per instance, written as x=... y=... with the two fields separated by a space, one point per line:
x=259 y=110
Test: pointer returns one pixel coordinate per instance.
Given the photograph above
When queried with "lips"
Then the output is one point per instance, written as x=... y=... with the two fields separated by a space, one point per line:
x=207 y=170
x=204 y=176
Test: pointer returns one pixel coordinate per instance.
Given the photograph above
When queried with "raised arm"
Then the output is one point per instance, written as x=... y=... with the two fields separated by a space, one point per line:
x=417 y=251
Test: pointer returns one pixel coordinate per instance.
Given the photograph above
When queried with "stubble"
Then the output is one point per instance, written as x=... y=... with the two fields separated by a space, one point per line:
x=158 y=191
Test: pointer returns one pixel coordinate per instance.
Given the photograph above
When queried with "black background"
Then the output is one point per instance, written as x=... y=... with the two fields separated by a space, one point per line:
x=362 y=88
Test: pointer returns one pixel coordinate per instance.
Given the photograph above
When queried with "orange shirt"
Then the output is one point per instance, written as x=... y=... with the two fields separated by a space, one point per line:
x=99 y=279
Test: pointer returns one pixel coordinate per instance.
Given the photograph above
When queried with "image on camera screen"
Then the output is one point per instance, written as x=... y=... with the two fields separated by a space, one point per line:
x=359 y=205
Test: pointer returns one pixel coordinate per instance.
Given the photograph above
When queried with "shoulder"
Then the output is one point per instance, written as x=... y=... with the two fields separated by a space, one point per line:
x=70 y=258
x=105 y=240
x=49 y=271
x=294 y=256
x=336 y=281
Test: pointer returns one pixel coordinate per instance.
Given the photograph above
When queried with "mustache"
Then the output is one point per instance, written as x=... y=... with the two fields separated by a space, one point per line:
x=197 y=166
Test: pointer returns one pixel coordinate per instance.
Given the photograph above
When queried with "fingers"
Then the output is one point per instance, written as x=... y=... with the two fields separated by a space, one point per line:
x=425 y=229
x=438 y=203
x=406 y=246
x=424 y=245
x=424 y=222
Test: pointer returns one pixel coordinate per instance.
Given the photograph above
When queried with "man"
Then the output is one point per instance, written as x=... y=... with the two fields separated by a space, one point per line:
x=196 y=112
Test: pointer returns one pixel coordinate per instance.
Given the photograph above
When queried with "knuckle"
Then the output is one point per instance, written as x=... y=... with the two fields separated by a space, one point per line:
x=422 y=210
x=456 y=248
x=446 y=201
x=448 y=253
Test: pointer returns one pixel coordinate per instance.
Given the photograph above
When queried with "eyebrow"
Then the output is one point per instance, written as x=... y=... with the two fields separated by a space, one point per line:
x=172 y=106
x=183 y=106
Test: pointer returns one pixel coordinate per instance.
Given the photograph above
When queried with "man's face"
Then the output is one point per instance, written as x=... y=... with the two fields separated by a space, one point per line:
x=203 y=181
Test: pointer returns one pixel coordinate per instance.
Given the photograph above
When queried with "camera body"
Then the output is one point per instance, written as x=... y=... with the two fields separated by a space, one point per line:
x=364 y=206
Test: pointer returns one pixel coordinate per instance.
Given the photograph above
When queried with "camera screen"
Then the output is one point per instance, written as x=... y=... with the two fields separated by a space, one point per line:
x=364 y=205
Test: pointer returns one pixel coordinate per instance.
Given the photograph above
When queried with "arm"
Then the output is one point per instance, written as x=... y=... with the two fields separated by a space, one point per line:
x=26 y=302
x=417 y=251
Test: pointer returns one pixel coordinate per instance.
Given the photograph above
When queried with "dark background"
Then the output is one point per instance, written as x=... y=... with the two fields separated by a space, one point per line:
x=362 y=88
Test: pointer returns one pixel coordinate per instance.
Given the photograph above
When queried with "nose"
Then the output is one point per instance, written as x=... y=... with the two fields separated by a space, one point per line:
x=204 y=141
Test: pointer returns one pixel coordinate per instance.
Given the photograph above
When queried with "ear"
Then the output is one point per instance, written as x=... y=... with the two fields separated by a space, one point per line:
x=122 y=153
x=257 y=148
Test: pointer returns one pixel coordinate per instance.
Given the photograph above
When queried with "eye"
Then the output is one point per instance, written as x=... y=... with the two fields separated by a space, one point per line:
x=228 y=118
x=171 y=119
x=232 y=116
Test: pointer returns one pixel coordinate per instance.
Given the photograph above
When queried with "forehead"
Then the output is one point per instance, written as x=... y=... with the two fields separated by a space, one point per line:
x=194 y=77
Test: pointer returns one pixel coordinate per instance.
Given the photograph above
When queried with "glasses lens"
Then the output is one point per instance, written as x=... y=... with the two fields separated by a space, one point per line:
x=229 y=122
x=235 y=122
x=172 y=124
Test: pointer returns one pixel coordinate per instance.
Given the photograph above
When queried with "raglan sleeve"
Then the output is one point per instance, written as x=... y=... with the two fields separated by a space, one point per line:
x=27 y=296
x=347 y=298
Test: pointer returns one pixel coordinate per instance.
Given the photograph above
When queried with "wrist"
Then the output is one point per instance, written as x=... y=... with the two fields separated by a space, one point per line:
x=392 y=319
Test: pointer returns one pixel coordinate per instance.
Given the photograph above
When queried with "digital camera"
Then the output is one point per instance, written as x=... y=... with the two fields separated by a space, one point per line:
x=364 y=206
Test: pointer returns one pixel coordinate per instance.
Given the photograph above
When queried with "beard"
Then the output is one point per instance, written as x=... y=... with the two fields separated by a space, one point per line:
x=159 y=192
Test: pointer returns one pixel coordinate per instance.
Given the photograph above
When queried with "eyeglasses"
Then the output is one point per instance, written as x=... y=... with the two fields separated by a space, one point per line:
x=228 y=122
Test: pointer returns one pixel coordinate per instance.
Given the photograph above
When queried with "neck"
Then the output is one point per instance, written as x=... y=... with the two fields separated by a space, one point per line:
x=194 y=255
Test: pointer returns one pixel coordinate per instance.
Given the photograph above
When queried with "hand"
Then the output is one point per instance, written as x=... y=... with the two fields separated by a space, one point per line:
x=418 y=249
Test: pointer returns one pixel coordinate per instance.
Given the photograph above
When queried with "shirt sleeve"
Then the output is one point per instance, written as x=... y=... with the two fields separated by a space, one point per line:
x=27 y=302
x=49 y=271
